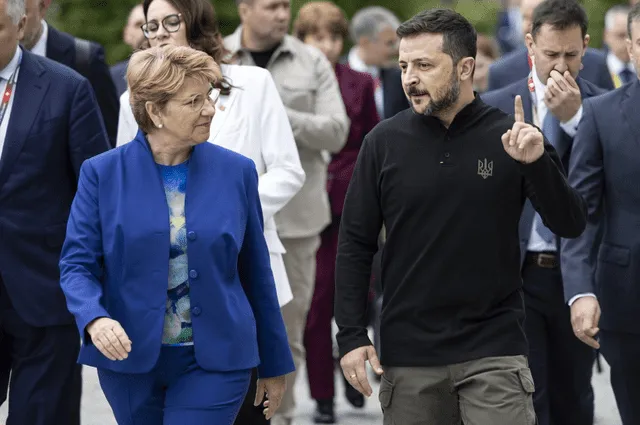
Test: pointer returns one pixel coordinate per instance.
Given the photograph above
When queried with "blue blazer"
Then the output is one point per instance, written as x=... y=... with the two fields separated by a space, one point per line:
x=515 y=66
x=115 y=260
x=53 y=128
x=605 y=170
x=504 y=99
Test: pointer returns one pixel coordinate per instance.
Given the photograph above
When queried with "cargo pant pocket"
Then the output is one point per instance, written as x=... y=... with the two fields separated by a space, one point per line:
x=385 y=396
x=528 y=387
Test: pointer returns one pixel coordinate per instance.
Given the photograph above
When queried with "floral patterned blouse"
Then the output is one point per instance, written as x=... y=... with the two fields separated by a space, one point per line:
x=177 y=321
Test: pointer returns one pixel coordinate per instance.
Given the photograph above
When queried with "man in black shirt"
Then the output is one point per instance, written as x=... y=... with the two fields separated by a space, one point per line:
x=449 y=179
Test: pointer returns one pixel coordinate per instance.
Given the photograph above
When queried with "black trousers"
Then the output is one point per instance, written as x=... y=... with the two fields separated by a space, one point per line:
x=622 y=352
x=561 y=365
x=46 y=381
x=250 y=414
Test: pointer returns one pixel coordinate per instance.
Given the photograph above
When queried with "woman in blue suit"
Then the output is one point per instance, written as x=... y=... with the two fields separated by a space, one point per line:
x=165 y=266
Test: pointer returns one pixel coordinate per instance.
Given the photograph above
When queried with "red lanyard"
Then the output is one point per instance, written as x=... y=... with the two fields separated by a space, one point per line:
x=8 y=91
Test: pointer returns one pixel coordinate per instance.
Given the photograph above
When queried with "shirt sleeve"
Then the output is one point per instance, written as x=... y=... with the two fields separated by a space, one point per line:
x=358 y=242
x=571 y=127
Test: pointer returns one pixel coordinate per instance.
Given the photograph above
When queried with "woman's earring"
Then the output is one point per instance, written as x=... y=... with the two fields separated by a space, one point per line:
x=159 y=125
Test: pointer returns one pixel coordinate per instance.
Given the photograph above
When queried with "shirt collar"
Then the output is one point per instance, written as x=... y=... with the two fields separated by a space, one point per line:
x=357 y=64
x=8 y=70
x=616 y=66
x=40 y=48
x=463 y=118
x=233 y=43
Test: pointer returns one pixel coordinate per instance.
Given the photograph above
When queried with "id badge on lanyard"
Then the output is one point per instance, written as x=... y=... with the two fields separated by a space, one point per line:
x=532 y=89
x=8 y=90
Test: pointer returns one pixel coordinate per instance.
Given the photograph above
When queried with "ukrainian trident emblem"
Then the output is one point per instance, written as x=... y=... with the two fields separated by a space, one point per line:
x=485 y=168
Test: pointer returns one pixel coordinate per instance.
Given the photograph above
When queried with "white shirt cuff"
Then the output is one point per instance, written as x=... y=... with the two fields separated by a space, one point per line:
x=571 y=127
x=586 y=294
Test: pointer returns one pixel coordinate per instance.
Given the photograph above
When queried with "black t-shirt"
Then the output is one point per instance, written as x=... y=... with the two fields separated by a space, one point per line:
x=261 y=59
x=451 y=201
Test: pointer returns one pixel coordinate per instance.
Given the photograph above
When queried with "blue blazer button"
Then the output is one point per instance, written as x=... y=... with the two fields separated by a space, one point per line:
x=196 y=311
x=193 y=274
x=191 y=235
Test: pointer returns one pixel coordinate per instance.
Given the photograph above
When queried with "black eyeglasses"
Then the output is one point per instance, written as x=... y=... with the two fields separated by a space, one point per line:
x=171 y=23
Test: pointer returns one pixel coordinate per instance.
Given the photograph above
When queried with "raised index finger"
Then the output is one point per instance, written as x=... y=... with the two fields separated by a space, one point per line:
x=518 y=109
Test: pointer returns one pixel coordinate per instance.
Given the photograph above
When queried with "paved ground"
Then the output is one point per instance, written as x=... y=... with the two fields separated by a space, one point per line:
x=95 y=410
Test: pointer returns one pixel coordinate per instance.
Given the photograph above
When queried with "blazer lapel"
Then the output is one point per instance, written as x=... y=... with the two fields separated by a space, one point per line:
x=629 y=106
x=223 y=107
x=29 y=94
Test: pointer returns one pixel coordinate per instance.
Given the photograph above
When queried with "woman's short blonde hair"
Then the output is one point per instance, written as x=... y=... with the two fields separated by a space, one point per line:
x=156 y=74
x=319 y=15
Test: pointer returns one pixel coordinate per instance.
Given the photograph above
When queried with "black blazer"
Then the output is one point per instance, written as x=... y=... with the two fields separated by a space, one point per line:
x=61 y=48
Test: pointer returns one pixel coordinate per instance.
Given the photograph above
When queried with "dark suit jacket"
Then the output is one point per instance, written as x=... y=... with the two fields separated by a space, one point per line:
x=61 y=48
x=504 y=100
x=119 y=76
x=605 y=170
x=507 y=41
x=515 y=65
x=357 y=93
x=54 y=126
x=392 y=92
x=394 y=98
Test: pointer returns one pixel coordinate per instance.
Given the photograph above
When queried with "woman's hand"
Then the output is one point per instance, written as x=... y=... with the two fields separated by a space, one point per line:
x=109 y=337
x=274 y=388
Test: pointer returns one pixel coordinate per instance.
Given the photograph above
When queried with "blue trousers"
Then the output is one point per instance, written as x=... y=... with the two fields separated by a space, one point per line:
x=175 y=392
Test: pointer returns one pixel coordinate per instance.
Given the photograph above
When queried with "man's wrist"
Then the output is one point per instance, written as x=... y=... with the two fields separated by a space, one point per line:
x=583 y=295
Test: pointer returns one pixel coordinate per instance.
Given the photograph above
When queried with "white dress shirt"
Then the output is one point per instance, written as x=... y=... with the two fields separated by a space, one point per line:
x=5 y=74
x=40 y=48
x=252 y=121
x=536 y=243
x=358 y=64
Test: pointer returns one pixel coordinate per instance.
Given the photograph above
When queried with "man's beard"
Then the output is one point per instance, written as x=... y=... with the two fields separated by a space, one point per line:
x=444 y=103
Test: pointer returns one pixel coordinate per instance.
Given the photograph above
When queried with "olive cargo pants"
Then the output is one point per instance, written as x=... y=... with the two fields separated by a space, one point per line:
x=488 y=391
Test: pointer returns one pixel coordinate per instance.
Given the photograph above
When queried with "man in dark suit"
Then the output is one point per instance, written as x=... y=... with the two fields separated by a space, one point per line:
x=88 y=60
x=373 y=30
x=552 y=98
x=50 y=123
x=515 y=65
x=604 y=261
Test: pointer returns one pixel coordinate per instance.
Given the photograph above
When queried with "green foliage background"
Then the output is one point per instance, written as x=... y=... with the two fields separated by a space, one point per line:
x=103 y=20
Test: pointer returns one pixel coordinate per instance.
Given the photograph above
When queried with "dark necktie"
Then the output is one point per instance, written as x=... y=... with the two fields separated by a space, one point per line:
x=626 y=75
x=550 y=127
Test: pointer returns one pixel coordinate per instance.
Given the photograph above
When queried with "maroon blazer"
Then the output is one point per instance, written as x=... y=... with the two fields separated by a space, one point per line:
x=357 y=90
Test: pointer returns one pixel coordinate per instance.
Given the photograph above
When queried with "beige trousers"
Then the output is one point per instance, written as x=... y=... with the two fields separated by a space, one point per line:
x=300 y=263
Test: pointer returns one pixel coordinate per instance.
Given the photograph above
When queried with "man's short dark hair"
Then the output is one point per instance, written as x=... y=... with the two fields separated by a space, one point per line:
x=634 y=16
x=459 y=37
x=560 y=15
